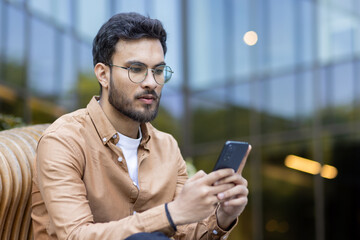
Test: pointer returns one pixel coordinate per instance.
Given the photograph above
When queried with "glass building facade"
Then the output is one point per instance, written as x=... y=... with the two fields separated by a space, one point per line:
x=295 y=92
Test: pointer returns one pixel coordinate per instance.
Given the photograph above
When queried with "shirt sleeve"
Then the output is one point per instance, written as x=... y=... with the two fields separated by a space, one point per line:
x=59 y=167
x=205 y=229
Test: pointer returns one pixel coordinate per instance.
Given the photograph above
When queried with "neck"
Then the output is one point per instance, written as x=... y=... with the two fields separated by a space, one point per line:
x=121 y=123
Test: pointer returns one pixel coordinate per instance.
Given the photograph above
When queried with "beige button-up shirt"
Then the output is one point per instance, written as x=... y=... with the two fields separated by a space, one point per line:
x=82 y=191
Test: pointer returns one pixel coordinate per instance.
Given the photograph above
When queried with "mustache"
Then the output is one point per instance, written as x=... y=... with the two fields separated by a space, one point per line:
x=147 y=93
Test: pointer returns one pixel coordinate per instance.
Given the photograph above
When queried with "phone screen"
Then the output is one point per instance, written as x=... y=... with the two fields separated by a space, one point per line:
x=231 y=155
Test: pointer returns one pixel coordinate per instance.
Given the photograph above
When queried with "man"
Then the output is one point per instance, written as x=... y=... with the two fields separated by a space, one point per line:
x=105 y=172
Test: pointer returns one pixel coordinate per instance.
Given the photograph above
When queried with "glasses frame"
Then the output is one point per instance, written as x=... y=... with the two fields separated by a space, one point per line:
x=147 y=70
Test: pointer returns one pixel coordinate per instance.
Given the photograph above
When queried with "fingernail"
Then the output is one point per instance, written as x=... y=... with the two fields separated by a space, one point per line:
x=221 y=195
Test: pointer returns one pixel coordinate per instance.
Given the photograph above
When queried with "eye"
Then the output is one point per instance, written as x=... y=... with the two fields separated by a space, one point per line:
x=159 y=70
x=137 y=68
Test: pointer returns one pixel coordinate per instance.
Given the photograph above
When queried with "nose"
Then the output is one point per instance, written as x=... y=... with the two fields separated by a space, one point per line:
x=149 y=81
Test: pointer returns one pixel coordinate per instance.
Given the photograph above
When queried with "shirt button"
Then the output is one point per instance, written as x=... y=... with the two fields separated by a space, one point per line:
x=115 y=136
x=104 y=139
x=224 y=237
x=120 y=159
x=215 y=232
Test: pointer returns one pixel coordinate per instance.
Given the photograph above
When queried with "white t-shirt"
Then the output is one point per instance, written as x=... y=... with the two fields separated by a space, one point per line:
x=129 y=146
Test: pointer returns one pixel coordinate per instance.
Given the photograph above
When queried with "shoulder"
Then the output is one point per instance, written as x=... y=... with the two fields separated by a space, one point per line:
x=68 y=130
x=63 y=141
x=71 y=121
x=160 y=136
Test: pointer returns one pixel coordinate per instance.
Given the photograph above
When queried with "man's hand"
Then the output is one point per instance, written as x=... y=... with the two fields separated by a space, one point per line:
x=233 y=200
x=199 y=196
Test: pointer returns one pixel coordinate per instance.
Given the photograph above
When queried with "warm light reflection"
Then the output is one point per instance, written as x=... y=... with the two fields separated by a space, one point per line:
x=7 y=93
x=275 y=226
x=46 y=106
x=250 y=38
x=310 y=166
x=303 y=164
x=329 y=172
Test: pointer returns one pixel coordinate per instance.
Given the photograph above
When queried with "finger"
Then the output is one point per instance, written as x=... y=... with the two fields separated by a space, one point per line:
x=212 y=177
x=239 y=201
x=235 y=192
x=243 y=162
x=197 y=176
x=215 y=190
x=237 y=179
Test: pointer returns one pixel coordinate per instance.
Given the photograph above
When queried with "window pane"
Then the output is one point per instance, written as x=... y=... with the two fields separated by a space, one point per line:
x=337 y=93
x=88 y=85
x=337 y=32
x=206 y=34
x=58 y=10
x=2 y=16
x=342 y=193
x=43 y=7
x=171 y=22
x=69 y=76
x=62 y=11
x=306 y=35
x=172 y=101
x=138 y=6
x=282 y=35
x=305 y=98
x=90 y=17
x=239 y=108
x=343 y=84
x=15 y=47
x=209 y=116
x=42 y=55
x=343 y=92
x=86 y=59
x=288 y=195
x=240 y=13
x=279 y=103
x=16 y=1
x=170 y=114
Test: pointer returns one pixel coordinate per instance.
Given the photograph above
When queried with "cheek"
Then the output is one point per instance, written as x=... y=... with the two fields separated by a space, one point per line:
x=121 y=84
x=158 y=90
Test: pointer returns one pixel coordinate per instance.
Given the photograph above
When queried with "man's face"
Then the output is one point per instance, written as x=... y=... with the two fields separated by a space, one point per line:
x=138 y=101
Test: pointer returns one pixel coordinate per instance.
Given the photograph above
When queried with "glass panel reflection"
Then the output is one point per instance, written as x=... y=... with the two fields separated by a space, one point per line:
x=14 y=69
x=41 y=72
x=288 y=198
x=278 y=99
x=282 y=37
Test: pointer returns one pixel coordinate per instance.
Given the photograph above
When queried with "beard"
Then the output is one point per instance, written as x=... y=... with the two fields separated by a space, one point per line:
x=124 y=105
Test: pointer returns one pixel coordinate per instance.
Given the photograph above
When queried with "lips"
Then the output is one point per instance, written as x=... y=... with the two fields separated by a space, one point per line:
x=147 y=98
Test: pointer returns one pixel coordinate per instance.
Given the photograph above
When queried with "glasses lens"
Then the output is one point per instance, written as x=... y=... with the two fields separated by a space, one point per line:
x=162 y=74
x=137 y=72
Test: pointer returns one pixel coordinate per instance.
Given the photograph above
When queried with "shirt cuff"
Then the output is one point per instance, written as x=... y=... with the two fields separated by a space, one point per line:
x=160 y=224
x=218 y=232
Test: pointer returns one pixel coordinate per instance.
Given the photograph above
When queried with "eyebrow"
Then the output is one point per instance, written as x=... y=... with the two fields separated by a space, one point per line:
x=141 y=63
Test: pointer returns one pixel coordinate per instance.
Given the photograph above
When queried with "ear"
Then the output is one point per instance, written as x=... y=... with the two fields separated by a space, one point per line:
x=102 y=73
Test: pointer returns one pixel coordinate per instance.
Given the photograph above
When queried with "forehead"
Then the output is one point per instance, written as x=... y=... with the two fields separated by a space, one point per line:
x=145 y=50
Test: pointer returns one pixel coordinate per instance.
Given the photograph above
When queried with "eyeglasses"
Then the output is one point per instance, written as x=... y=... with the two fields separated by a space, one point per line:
x=137 y=73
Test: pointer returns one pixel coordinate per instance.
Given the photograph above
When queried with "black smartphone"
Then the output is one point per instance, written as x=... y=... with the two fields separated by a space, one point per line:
x=231 y=155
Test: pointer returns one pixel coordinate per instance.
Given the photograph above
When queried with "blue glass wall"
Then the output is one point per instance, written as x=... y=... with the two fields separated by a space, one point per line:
x=296 y=91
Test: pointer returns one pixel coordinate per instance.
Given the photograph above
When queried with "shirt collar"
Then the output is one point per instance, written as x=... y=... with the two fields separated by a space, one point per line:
x=103 y=126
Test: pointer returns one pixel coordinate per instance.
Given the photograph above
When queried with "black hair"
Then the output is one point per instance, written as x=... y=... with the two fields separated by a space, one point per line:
x=125 y=26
